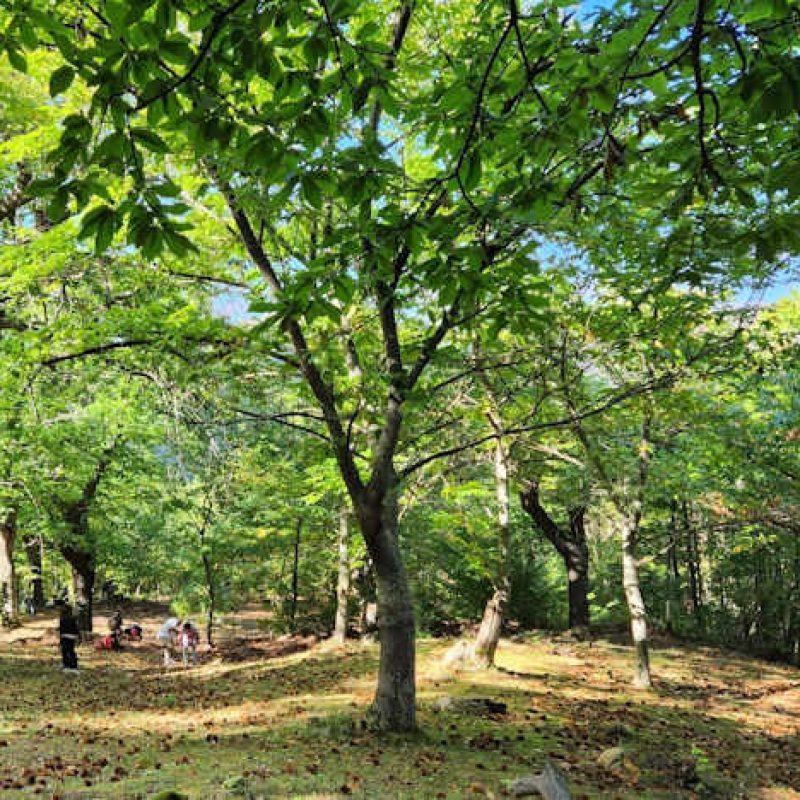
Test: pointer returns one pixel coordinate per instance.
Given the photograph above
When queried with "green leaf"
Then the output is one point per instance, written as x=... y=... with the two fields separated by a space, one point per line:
x=101 y=223
x=200 y=20
x=177 y=243
x=758 y=10
x=106 y=227
x=61 y=80
x=603 y=99
x=152 y=141
x=57 y=207
x=471 y=171
x=16 y=59
x=311 y=191
x=112 y=147
x=176 y=51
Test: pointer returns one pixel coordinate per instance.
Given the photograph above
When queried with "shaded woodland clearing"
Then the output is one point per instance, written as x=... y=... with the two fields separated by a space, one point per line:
x=522 y=255
x=719 y=725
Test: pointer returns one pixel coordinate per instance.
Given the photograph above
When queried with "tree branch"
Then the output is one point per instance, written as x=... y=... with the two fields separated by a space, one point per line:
x=205 y=45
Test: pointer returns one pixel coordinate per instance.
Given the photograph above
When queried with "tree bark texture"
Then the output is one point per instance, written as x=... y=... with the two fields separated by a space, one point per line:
x=394 y=706
x=343 y=576
x=208 y=571
x=79 y=550
x=636 y=608
x=33 y=552
x=295 y=574
x=494 y=613
x=693 y=564
x=82 y=563
x=8 y=535
x=212 y=598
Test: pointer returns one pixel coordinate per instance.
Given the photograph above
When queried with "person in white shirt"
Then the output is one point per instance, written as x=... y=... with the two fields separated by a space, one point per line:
x=167 y=637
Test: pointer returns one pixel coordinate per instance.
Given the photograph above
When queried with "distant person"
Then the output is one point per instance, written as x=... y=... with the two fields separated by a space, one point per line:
x=167 y=637
x=133 y=632
x=115 y=626
x=69 y=635
x=190 y=636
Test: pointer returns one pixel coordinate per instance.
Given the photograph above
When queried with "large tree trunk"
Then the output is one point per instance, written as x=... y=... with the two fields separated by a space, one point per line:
x=79 y=552
x=576 y=561
x=573 y=548
x=83 y=567
x=343 y=577
x=636 y=607
x=8 y=534
x=33 y=552
x=394 y=706
x=494 y=614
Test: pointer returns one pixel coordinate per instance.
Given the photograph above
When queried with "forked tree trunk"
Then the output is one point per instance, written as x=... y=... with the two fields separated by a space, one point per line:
x=494 y=613
x=573 y=548
x=343 y=577
x=8 y=535
x=394 y=706
x=33 y=552
x=636 y=608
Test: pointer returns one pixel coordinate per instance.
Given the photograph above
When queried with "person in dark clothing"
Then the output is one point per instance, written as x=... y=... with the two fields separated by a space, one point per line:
x=69 y=635
x=115 y=626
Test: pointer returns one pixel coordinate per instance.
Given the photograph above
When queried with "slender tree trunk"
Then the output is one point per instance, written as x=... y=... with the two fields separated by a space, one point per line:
x=208 y=569
x=295 y=573
x=693 y=563
x=636 y=607
x=212 y=597
x=394 y=706
x=8 y=535
x=494 y=613
x=343 y=576
x=33 y=552
x=673 y=574
x=491 y=627
x=794 y=605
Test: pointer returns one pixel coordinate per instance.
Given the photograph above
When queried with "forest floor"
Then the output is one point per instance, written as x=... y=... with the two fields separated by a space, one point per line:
x=281 y=718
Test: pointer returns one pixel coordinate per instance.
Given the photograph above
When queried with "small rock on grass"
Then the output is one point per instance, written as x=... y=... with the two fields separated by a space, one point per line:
x=477 y=706
x=550 y=784
x=613 y=757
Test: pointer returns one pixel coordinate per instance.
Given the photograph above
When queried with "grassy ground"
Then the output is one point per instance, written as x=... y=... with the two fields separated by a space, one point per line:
x=255 y=721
